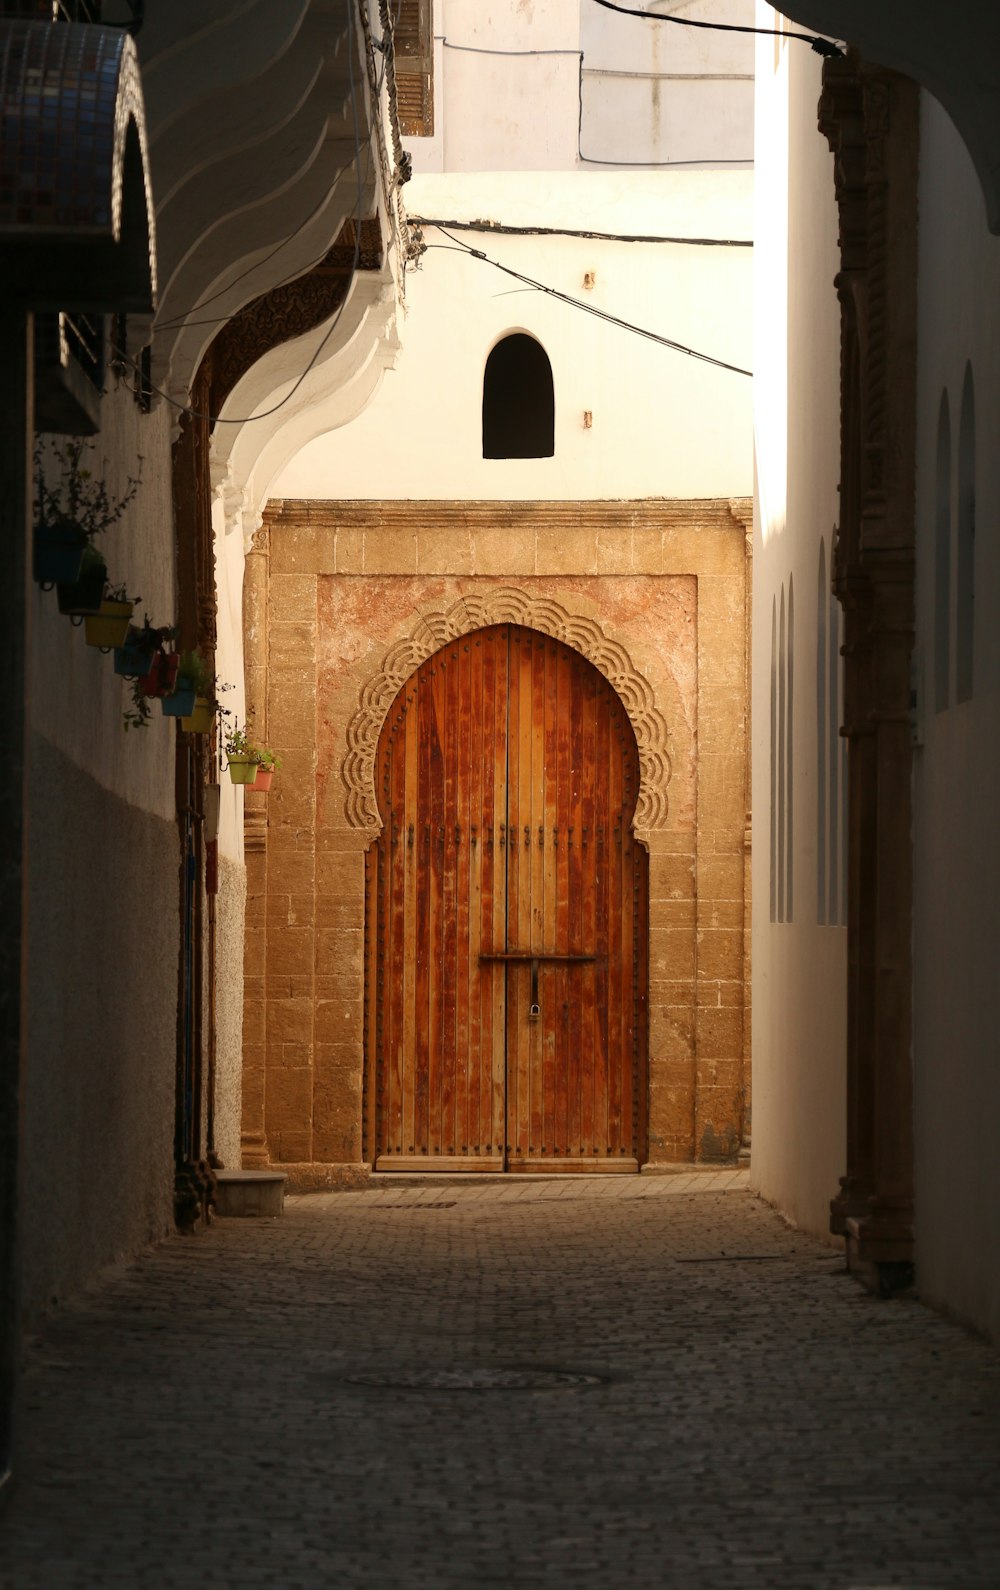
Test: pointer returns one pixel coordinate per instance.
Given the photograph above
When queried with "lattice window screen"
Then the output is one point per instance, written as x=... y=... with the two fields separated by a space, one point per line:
x=414 y=56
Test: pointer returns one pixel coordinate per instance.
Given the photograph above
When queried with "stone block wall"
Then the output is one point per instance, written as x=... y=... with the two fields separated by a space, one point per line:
x=343 y=601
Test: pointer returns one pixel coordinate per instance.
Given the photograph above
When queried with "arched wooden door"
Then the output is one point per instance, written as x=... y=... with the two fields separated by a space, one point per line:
x=507 y=916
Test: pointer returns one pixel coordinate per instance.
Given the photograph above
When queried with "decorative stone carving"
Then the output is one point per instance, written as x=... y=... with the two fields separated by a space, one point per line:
x=871 y=119
x=479 y=610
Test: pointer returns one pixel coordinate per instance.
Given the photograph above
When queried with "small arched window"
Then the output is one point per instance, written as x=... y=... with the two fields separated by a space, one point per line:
x=519 y=409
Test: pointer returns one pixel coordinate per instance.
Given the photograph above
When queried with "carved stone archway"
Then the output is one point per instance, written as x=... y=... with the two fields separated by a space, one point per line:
x=508 y=605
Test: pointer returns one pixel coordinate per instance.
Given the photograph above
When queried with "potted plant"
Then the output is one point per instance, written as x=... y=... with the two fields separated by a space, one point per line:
x=134 y=658
x=108 y=627
x=161 y=680
x=241 y=756
x=70 y=513
x=83 y=595
x=157 y=682
x=193 y=680
x=267 y=765
x=138 y=715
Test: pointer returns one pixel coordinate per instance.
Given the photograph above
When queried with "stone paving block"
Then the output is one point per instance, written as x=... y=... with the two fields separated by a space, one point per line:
x=279 y=1404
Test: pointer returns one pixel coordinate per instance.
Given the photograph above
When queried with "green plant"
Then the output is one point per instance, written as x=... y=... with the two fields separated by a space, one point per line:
x=196 y=671
x=139 y=714
x=79 y=493
x=92 y=559
x=236 y=740
x=150 y=638
x=119 y=593
x=267 y=759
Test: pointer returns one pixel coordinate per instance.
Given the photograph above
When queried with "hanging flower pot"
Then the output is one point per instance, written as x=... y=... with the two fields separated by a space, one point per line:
x=162 y=675
x=79 y=597
x=180 y=703
x=201 y=717
x=108 y=627
x=267 y=766
x=242 y=769
x=57 y=553
x=135 y=658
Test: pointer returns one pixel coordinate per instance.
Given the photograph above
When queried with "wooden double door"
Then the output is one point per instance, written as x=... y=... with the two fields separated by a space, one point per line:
x=507 y=917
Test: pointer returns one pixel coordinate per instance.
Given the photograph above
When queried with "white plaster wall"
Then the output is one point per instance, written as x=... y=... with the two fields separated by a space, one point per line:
x=77 y=700
x=799 y=966
x=664 y=424
x=229 y=565
x=102 y=878
x=616 y=90
x=956 y=1049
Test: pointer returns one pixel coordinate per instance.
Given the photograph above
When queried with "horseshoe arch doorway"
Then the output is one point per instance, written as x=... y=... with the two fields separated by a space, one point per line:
x=506 y=917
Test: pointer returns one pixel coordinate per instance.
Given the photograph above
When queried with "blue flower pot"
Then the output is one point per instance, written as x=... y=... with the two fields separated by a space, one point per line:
x=181 y=703
x=57 y=553
x=134 y=661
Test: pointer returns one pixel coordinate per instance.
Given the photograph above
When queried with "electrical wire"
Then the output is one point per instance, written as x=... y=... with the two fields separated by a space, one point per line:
x=820 y=45
x=565 y=231
x=590 y=160
x=456 y=244
x=483 y=49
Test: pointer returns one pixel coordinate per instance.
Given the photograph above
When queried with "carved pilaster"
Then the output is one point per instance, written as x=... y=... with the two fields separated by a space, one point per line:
x=870 y=119
x=253 y=1140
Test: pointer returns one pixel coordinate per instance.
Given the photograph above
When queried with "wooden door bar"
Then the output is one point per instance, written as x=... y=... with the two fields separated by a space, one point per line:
x=531 y=955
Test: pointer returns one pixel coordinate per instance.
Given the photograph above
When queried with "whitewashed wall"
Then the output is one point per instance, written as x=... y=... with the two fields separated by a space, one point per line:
x=956 y=1048
x=663 y=424
x=616 y=90
x=102 y=871
x=799 y=1016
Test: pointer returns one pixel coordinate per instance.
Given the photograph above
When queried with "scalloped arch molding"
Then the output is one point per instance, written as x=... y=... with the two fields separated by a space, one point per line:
x=505 y=605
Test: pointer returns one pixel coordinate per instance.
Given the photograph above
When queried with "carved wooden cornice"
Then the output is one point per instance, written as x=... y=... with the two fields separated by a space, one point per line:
x=869 y=117
x=293 y=308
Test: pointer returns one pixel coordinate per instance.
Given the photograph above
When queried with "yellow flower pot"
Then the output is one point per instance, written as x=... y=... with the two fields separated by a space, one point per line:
x=243 y=769
x=108 y=627
x=201 y=719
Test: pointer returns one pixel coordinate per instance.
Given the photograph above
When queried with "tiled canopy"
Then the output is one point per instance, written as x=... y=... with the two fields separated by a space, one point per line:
x=76 y=214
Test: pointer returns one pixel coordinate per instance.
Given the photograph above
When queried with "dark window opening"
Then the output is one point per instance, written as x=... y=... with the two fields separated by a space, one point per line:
x=519 y=407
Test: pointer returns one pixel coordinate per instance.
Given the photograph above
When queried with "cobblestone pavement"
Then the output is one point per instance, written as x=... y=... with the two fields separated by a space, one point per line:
x=281 y=1404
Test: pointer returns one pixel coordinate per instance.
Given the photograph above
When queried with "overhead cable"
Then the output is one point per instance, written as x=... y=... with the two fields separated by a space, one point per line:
x=820 y=45
x=590 y=309
x=566 y=231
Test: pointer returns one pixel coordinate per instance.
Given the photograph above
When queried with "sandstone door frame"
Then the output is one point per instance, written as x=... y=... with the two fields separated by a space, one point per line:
x=341 y=602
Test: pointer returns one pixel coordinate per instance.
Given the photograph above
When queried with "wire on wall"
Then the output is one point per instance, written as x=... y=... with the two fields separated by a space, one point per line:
x=456 y=244
x=591 y=160
x=820 y=45
x=565 y=231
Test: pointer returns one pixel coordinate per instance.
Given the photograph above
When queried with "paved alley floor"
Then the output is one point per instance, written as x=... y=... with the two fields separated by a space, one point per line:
x=563 y=1383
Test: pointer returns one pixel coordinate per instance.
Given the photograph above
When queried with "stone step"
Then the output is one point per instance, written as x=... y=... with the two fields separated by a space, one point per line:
x=250 y=1193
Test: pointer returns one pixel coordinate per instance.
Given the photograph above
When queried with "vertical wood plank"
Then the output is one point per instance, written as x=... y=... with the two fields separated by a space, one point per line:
x=507 y=775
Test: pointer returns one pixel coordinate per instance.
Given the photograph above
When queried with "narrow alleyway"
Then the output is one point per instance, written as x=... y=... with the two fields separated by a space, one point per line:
x=562 y=1383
